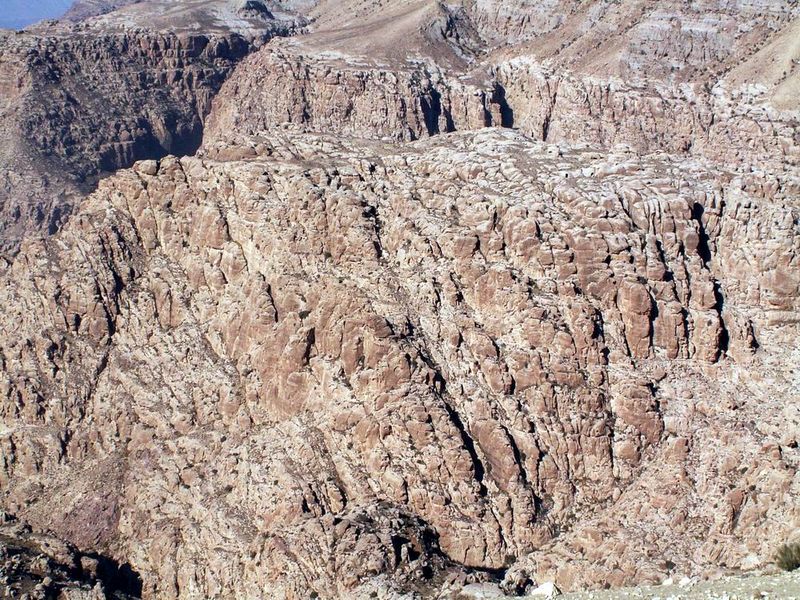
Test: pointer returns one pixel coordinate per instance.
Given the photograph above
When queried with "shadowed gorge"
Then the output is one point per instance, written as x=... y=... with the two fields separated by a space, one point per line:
x=83 y=100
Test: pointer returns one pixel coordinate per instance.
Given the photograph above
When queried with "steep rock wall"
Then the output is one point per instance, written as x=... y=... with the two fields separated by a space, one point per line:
x=342 y=94
x=80 y=102
x=300 y=354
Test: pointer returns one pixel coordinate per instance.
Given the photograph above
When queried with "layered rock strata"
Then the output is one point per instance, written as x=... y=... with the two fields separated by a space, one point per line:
x=369 y=341
x=736 y=106
x=329 y=93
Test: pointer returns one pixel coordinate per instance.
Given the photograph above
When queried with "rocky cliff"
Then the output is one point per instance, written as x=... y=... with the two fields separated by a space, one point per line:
x=432 y=303
x=77 y=101
x=288 y=351
x=724 y=105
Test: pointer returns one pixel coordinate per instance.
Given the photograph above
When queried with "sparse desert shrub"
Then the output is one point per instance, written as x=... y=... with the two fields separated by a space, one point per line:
x=788 y=557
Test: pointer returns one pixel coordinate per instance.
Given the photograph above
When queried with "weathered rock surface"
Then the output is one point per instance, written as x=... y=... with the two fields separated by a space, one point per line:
x=38 y=566
x=339 y=353
x=688 y=82
x=293 y=352
x=367 y=71
x=724 y=125
x=701 y=78
x=668 y=40
x=345 y=95
x=411 y=69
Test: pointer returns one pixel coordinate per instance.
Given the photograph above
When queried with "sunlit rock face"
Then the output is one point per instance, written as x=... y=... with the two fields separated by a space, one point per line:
x=429 y=299
x=299 y=338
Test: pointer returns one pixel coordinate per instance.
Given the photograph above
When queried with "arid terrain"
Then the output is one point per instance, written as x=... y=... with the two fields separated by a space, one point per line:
x=400 y=299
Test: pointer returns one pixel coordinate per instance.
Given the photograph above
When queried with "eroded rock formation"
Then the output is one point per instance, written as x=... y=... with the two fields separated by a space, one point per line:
x=38 y=566
x=295 y=329
x=78 y=101
x=372 y=341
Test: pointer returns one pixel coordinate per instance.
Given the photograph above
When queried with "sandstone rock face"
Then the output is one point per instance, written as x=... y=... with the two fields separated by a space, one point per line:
x=345 y=95
x=684 y=78
x=399 y=73
x=443 y=297
x=669 y=40
x=313 y=364
x=715 y=100
x=724 y=126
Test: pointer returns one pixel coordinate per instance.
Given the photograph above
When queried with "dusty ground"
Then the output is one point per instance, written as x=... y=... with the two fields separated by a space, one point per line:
x=785 y=586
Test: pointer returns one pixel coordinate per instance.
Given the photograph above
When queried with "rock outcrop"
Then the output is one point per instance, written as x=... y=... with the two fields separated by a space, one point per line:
x=290 y=349
x=433 y=299
x=344 y=95
x=38 y=566
x=723 y=125
x=78 y=101
x=722 y=105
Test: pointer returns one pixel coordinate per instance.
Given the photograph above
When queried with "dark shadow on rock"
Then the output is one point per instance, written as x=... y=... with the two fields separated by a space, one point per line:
x=506 y=112
x=118 y=579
